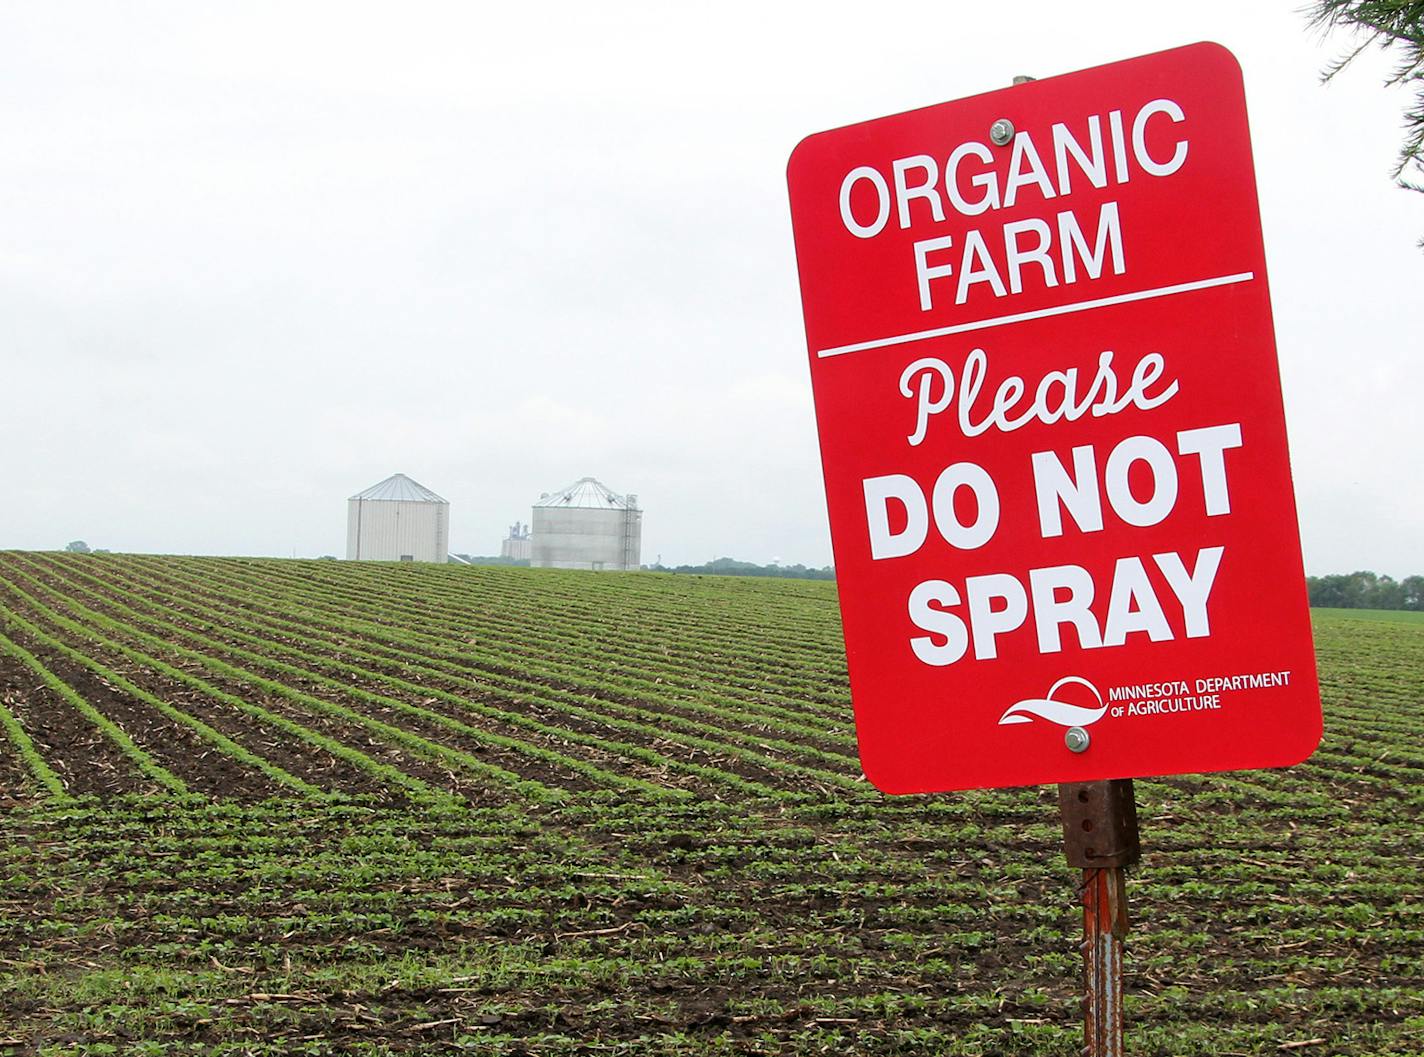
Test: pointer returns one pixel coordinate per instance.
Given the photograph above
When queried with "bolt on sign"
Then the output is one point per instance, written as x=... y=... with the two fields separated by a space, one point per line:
x=1052 y=434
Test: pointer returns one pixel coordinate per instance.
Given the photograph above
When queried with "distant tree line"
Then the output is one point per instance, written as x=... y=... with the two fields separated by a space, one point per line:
x=1366 y=590
x=732 y=567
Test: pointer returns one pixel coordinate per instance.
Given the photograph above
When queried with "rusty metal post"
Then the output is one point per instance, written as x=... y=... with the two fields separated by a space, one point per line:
x=1100 y=838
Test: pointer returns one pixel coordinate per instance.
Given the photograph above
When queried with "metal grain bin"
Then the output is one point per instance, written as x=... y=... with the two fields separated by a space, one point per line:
x=587 y=526
x=398 y=520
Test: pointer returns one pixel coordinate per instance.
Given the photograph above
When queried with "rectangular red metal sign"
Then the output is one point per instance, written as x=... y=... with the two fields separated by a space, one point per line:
x=1052 y=434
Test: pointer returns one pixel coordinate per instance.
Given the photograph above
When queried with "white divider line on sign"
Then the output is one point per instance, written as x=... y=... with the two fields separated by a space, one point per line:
x=1056 y=310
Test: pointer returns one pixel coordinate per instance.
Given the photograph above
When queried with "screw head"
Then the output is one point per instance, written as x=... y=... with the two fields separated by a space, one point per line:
x=1001 y=132
x=1076 y=739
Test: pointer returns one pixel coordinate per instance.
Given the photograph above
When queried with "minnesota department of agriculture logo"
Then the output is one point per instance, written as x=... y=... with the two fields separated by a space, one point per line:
x=1055 y=711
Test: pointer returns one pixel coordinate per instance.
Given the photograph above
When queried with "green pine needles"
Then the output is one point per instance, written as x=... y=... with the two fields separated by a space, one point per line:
x=1396 y=26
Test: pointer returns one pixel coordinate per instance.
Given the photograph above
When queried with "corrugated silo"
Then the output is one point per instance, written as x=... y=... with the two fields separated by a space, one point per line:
x=587 y=526
x=398 y=520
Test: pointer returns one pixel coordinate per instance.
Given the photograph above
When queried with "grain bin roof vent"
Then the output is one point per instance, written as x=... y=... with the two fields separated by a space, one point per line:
x=587 y=493
x=401 y=489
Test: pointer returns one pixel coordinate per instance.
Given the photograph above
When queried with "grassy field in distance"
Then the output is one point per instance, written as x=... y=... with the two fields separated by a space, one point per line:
x=281 y=807
x=1388 y=616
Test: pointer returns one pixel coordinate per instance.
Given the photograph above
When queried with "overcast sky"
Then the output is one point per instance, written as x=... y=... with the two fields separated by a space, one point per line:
x=255 y=258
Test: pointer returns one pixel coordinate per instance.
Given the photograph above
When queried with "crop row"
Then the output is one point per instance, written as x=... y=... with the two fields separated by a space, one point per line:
x=629 y=829
x=545 y=673
x=340 y=675
x=635 y=629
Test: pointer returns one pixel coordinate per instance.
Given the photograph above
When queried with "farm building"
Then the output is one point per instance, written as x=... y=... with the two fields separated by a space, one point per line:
x=517 y=545
x=398 y=520
x=587 y=526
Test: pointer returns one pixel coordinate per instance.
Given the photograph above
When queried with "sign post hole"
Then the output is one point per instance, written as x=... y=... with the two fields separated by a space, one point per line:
x=1054 y=451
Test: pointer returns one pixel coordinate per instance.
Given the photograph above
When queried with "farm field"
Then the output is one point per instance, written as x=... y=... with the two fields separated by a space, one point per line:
x=281 y=807
x=1388 y=616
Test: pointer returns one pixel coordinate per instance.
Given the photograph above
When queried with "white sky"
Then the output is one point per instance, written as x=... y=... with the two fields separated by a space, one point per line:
x=255 y=258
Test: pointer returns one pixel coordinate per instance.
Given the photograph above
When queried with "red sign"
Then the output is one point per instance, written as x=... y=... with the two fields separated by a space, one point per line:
x=1052 y=434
